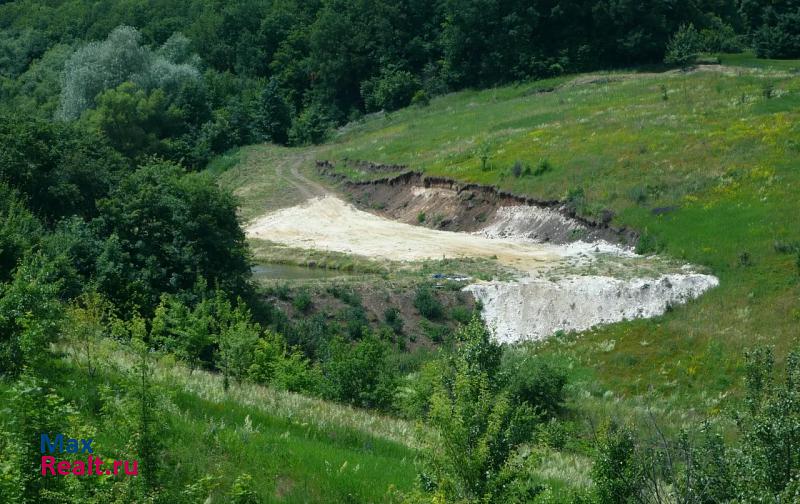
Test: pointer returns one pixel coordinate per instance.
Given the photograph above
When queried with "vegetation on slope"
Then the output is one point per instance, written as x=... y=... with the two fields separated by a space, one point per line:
x=703 y=163
x=105 y=108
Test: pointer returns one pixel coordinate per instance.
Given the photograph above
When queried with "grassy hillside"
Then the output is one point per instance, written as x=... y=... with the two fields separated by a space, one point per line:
x=714 y=151
x=296 y=449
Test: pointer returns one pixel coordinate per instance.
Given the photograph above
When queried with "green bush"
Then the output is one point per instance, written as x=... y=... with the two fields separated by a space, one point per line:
x=392 y=318
x=542 y=167
x=302 y=301
x=421 y=98
x=780 y=37
x=537 y=382
x=520 y=168
x=165 y=230
x=617 y=474
x=20 y=231
x=312 y=126
x=274 y=364
x=359 y=374
x=683 y=47
x=30 y=315
x=273 y=114
x=242 y=491
x=720 y=37
x=390 y=90
x=575 y=200
x=427 y=304
x=480 y=425
x=648 y=243
x=436 y=332
x=461 y=314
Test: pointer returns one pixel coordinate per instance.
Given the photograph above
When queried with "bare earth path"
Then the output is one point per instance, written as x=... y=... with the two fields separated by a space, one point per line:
x=267 y=179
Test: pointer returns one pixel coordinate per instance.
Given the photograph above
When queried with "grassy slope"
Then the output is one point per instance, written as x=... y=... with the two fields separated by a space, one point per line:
x=296 y=449
x=717 y=150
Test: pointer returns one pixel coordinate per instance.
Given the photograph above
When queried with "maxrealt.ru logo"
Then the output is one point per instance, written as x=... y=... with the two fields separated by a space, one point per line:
x=92 y=466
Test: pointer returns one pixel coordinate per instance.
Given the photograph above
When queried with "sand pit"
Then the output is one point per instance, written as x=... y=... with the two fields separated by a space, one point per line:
x=558 y=289
x=328 y=223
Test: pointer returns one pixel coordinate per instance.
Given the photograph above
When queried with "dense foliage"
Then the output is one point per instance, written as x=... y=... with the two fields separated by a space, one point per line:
x=108 y=232
x=188 y=79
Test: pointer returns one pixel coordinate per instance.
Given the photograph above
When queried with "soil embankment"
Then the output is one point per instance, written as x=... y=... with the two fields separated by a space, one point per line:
x=446 y=204
x=573 y=272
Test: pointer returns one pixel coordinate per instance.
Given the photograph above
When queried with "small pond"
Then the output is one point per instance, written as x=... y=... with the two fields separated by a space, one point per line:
x=292 y=272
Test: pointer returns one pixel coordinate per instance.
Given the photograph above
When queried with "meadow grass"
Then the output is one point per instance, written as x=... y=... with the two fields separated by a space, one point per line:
x=296 y=448
x=716 y=152
x=704 y=162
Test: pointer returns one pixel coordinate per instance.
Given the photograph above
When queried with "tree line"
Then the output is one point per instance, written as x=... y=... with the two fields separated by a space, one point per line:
x=188 y=79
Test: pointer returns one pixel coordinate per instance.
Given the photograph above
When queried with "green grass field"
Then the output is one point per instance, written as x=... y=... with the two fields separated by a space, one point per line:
x=716 y=150
x=295 y=448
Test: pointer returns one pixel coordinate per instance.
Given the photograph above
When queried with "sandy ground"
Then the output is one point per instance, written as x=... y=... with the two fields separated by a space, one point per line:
x=552 y=293
x=328 y=223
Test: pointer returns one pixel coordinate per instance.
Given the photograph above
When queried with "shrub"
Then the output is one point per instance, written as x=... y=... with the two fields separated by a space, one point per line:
x=30 y=315
x=638 y=194
x=312 y=126
x=784 y=247
x=720 y=37
x=480 y=427
x=345 y=294
x=648 y=243
x=134 y=120
x=392 y=318
x=421 y=98
x=355 y=322
x=542 y=167
x=575 y=200
x=536 y=382
x=767 y=90
x=484 y=153
x=436 y=332
x=745 y=259
x=461 y=314
x=359 y=373
x=20 y=231
x=518 y=168
x=273 y=114
x=236 y=341
x=390 y=90
x=165 y=229
x=421 y=217
x=683 y=47
x=274 y=364
x=243 y=491
x=427 y=304
x=302 y=301
x=616 y=473
x=780 y=38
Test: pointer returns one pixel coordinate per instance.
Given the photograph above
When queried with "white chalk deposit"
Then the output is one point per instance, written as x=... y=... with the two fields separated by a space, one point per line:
x=536 y=308
x=568 y=287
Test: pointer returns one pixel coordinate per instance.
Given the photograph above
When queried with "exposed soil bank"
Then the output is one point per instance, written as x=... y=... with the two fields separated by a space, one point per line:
x=447 y=204
x=558 y=289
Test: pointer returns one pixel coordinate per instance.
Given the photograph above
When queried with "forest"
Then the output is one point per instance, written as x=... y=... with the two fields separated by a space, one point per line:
x=122 y=257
